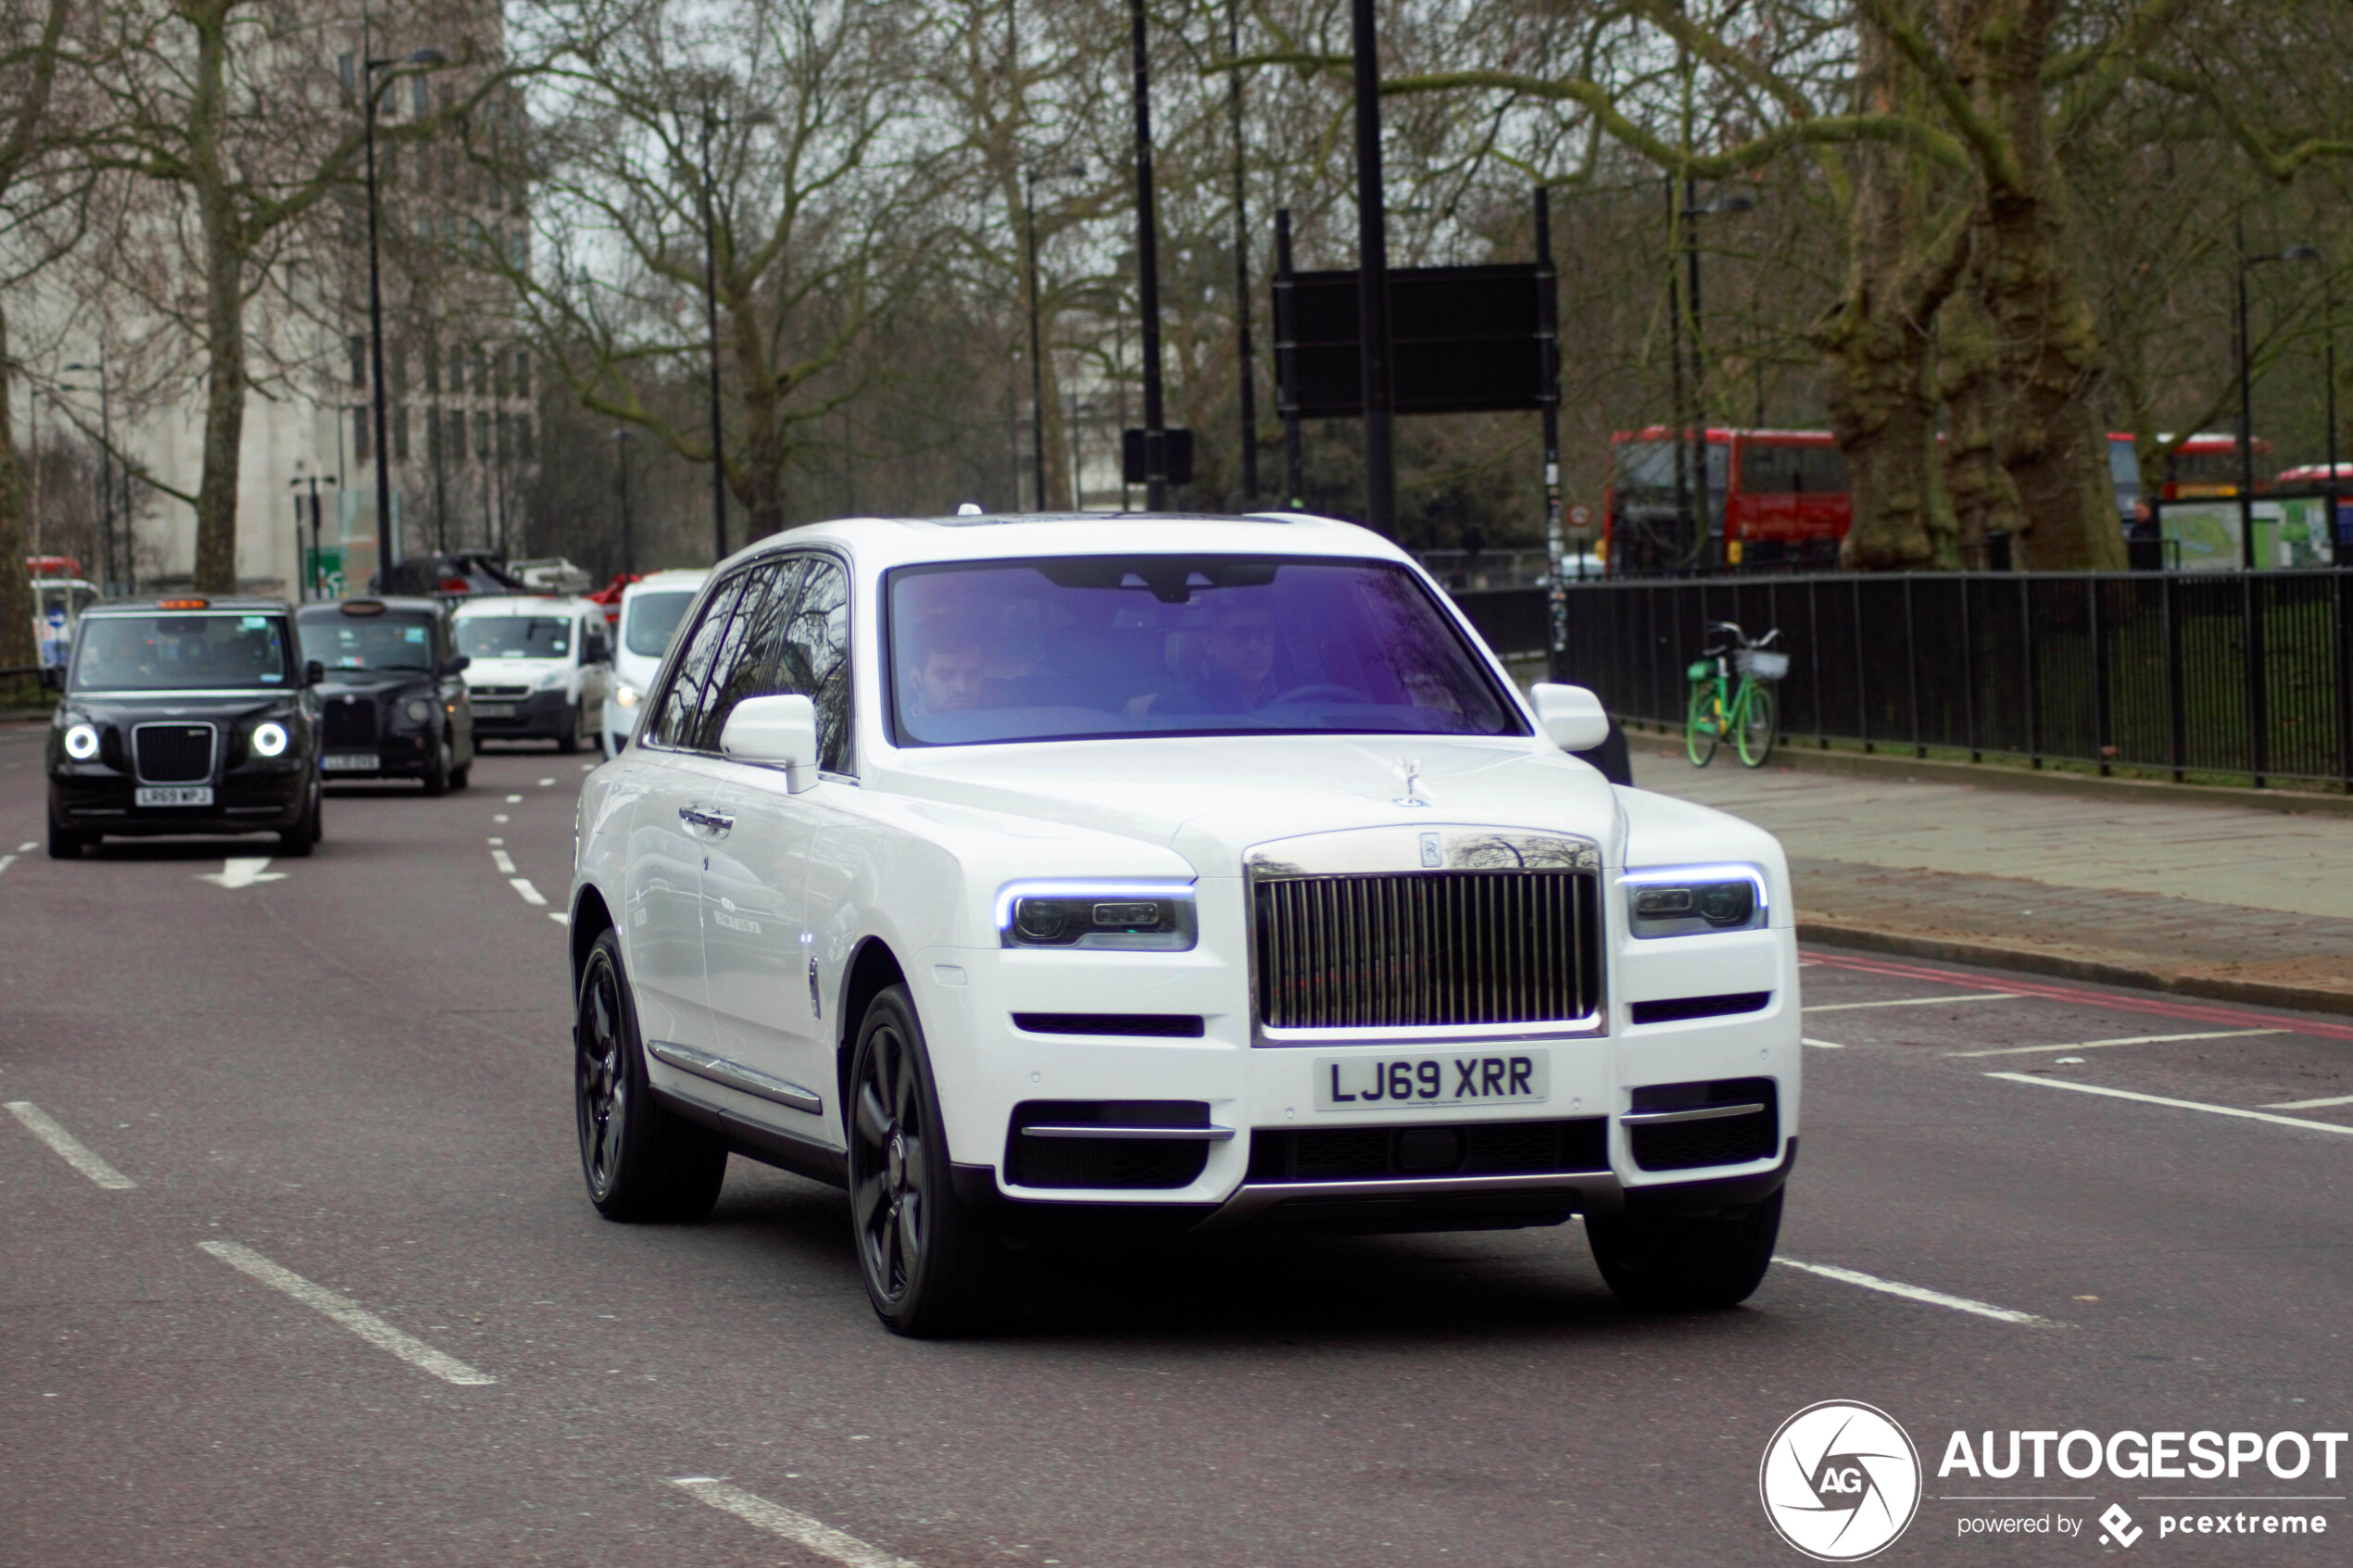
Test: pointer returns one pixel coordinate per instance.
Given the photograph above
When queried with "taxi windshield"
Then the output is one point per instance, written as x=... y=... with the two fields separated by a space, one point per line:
x=1089 y=646
x=166 y=652
x=514 y=637
x=367 y=642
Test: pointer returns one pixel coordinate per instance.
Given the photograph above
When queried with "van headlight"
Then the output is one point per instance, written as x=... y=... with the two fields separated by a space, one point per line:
x=1693 y=900
x=270 y=738
x=81 y=742
x=626 y=696
x=1120 y=916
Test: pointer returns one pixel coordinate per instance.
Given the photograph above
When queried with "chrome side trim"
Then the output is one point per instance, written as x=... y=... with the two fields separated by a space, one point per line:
x=1093 y=1130
x=1595 y=1192
x=1701 y=1113
x=735 y=1075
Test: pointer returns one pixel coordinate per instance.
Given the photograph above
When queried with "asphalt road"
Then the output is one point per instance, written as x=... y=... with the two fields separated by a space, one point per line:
x=350 y=1076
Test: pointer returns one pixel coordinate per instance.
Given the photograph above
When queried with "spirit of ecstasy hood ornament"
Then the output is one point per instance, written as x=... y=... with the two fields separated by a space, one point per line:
x=1410 y=771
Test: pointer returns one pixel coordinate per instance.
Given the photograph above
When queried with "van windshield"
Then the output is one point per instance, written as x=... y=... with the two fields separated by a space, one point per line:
x=1081 y=647
x=652 y=620
x=166 y=652
x=514 y=637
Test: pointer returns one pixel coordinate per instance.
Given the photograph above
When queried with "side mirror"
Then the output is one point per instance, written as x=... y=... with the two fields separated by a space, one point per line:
x=313 y=673
x=1573 y=718
x=454 y=665
x=779 y=732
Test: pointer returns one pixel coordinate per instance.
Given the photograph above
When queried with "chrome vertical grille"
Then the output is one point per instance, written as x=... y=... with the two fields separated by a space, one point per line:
x=1427 y=950
x=173 y=752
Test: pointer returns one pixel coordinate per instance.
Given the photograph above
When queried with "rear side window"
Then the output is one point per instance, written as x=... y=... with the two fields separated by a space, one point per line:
x=681 y=707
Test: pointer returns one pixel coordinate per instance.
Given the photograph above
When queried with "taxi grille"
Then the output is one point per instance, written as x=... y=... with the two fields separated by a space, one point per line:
x=350 y=722
x=1420 y=950
x=173 y=752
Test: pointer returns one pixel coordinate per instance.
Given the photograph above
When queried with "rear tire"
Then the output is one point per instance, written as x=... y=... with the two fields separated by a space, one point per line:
x=1760 y=722
x=641 y=1160
x=931 y=1266
x=1687 y=1263
x=1699 y=724
x=66 y=845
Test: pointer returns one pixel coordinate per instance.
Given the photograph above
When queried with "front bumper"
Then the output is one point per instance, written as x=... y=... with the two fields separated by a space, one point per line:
x=102 y=801
x=540 y=716
x=990 y=1070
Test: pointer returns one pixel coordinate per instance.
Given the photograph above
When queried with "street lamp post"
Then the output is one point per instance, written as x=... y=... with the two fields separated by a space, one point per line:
x=316 y=585
x=1242 y=352
x=1037 y=349
x=620 y=440
x=2247 y=389
x=1148 y=273
x=387 y=544
x=106 y=472
x=1699 y=518
x=1372 y=280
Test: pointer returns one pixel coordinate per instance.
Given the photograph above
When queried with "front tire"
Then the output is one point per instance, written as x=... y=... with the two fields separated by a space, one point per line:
x=66 y=845
x=1684 y=1262
x=569 y=742
x=1760 y=722
x=437 y=776
x=296 y=842
x=1699 y=724
x=641 y=1160
x=930 y=1265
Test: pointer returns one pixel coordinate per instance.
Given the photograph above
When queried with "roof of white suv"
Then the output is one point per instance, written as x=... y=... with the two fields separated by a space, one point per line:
x=886 y=542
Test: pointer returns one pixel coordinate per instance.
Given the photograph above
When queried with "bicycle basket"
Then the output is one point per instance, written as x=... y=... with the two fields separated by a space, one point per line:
x=1762 y=663
x=1700 y=670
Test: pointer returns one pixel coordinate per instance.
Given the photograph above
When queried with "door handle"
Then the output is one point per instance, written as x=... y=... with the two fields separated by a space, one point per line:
x=717 y=821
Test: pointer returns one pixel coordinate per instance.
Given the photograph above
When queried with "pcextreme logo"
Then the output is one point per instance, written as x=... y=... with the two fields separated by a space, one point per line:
x=1840 y=1481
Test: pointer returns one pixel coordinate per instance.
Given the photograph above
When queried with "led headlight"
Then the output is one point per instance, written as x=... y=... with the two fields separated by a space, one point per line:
x=81 y=742
x=1692 y=901
x=419 y=709
x=626 y=696
x=1133 y=916
x=270 y=738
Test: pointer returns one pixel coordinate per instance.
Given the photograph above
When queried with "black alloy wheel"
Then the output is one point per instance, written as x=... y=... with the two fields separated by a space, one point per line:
x=1687 y=1263
x=641 y=1161
x=930 y=1267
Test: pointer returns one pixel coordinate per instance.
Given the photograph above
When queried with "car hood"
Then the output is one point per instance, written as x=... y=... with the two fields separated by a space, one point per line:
x=132 y=708
x=1210 y=798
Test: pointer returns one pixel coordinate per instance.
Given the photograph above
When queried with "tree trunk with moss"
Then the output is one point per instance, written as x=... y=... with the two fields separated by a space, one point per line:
x=226 y=376
x=1984 y=498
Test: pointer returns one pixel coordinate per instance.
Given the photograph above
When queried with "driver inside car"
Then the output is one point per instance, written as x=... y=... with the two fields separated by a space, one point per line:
x=951 y=658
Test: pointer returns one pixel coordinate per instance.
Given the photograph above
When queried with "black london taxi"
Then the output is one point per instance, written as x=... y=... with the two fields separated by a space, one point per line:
x=185 y=716
x=391 y=705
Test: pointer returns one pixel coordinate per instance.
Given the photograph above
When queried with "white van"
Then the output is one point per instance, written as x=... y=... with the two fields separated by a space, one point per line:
x=650 y=611
x=539 y=667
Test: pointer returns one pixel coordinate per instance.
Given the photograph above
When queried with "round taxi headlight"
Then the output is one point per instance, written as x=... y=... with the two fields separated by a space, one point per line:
x=81 y=743
x=419 y=711
x=270 y=739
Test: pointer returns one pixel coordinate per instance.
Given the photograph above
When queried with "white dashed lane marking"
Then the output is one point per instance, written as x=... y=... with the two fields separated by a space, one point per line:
x=2126 y=1040
x=2240 y=1111
x=345 y=1313
x=1827 y=1045
x=71 y=1149
x=1918 y=1293
x=814 y=1535
x=7 y=860
x=512 y=800
x=545 y=782
x=504 y=861
x=28 y=846
x=559 y=916
x=499 y=818
x=242 y=871
x=531 y=894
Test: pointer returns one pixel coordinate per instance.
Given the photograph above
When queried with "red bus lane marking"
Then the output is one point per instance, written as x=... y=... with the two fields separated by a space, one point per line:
x=2195 y=1011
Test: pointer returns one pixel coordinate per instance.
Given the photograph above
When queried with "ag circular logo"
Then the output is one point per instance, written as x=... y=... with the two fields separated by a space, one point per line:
x=1841 y=1481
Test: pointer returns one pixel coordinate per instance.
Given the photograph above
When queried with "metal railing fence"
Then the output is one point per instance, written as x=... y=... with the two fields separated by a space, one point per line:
x=2245 y=674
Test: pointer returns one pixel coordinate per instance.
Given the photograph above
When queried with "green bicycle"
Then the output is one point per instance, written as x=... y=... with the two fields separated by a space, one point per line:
x=1745 y=712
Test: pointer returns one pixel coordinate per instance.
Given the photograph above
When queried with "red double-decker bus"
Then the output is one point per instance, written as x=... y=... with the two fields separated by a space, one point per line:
x=1771 y=498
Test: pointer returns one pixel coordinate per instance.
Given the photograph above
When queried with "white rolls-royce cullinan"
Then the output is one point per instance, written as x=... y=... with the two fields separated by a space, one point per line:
x=1049 y=876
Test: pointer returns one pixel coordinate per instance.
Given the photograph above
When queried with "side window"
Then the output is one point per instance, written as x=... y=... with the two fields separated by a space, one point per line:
x=813 y=659
x=736 y=673
x=682 y=698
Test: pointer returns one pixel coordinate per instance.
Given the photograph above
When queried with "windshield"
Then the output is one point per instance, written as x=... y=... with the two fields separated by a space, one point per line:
x=652 y=620
x=514 y=637
x=368 y=642
x=1650 y=465
x=163 y=653
x=1097 y=646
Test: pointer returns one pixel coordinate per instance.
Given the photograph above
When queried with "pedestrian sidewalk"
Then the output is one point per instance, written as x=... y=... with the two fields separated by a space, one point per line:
x=2215 y=900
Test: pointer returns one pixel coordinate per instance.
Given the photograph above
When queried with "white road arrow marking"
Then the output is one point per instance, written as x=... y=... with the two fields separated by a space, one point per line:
x=242 y=871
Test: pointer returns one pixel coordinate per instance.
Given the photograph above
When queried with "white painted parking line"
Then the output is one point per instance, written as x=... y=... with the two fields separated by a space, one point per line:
x=814 y=1535
x=2125 y=1040
x=242 y=871
x=530 y=894
x=2308 y=1104
x=1827 y=1045
x=71 y=1149
x=1918 y=1001
x=504 y=861
x=345 y=1313
x=2176 y=1104
x=1918 y=1293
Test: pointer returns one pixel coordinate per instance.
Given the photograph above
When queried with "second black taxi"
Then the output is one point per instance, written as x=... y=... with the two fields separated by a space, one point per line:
x=392 y=703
